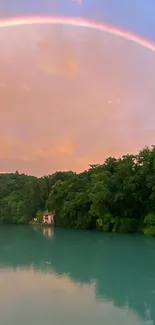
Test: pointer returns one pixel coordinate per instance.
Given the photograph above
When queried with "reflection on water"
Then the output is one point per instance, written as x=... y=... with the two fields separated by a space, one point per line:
x=48 y=232
x=67 y=277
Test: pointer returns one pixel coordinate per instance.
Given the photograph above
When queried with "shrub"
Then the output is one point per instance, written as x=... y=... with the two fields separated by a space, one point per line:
x=149 y=231
x=127 y=225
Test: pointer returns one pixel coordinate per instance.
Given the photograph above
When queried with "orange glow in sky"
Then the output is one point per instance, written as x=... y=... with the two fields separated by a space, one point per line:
x=71 y=96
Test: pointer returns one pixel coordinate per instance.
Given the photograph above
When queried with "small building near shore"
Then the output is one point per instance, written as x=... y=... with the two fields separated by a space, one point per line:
x=48 y=218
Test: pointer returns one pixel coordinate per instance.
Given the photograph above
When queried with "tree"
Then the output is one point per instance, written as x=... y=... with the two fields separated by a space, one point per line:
x=117 y=196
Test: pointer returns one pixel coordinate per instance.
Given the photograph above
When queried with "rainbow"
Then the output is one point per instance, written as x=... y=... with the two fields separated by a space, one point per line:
x=19 y=21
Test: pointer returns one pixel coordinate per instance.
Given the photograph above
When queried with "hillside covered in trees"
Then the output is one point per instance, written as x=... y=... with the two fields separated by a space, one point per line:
x=117 y=196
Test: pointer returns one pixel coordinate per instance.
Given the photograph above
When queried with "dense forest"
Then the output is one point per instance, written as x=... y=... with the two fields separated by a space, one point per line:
x=116 y=196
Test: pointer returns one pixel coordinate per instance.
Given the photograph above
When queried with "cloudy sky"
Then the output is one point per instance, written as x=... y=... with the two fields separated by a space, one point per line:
x=72 y=96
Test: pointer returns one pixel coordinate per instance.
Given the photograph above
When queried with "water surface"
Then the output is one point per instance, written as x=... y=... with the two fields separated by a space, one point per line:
x=66 y=277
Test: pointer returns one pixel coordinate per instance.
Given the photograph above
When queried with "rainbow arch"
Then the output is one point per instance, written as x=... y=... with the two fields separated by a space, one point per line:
x=20 y=21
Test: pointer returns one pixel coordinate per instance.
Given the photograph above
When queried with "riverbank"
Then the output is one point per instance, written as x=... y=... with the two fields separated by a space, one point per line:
x=116 y=196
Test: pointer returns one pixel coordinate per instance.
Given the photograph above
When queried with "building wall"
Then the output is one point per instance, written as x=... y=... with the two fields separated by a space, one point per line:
x=48 y=219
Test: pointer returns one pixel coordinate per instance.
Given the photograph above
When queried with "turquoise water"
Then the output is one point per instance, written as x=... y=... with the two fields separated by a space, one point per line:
x=66 y=277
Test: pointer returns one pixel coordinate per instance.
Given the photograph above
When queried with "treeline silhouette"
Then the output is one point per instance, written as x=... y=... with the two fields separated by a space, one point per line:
x=116 y=196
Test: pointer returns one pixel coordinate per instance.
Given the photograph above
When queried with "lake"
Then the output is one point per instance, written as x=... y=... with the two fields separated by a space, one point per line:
x=66 y=277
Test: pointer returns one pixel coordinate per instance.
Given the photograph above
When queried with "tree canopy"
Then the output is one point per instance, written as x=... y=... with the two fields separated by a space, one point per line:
x=116 y=196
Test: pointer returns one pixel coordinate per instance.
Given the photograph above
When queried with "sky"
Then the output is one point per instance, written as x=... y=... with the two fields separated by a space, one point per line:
x=136 y=16
x=71 y=96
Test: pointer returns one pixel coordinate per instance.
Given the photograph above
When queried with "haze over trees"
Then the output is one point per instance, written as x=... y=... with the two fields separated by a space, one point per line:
x=116 y=196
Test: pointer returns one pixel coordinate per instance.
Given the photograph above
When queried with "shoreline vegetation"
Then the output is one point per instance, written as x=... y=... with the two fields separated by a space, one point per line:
x=116 y=196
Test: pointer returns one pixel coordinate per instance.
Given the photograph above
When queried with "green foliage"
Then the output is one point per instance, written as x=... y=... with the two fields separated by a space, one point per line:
x=149 y=222
x=149 y=231
x=116 y=196
x=106 y=222
x=21 y=197
x=127 y=225
x=150 y=219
